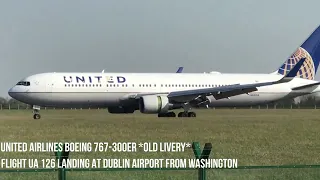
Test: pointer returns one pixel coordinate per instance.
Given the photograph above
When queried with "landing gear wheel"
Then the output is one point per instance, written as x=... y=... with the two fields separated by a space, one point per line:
x=36 y=112
x=169 y=114
x=192 y=114
x=183 y=114
x=161 y=115
x=36 y=116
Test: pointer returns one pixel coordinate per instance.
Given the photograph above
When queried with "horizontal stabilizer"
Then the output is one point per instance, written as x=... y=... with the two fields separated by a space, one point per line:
x=306 y=86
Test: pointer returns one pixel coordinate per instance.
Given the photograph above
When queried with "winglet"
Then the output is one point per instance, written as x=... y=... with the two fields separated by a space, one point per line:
x=293 y=72
x=295 y=69
x=179 y=70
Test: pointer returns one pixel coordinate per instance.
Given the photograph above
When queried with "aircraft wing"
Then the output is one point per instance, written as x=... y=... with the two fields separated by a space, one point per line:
x=223 y=91
x=235 y=89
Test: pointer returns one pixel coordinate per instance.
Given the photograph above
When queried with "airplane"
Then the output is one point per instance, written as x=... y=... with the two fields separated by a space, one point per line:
x=160 y=93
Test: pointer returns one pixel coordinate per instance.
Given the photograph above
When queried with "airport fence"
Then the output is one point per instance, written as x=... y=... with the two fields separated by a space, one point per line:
x=292 y=106
x=251 y=172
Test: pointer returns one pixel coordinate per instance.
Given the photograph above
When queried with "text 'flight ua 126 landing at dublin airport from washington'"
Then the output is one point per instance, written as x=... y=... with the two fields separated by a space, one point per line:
x=159 y=93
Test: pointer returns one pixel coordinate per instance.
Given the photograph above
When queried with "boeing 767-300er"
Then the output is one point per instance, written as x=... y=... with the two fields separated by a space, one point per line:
x=158 y=93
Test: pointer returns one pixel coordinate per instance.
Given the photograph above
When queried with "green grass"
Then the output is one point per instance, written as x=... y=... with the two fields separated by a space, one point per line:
x=253 y=136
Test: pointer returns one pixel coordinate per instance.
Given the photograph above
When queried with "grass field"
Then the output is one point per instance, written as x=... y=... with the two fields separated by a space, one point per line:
x=253 y=136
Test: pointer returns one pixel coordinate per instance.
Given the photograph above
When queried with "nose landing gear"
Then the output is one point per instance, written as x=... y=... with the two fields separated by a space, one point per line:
x=36 y=112
x=36 y=116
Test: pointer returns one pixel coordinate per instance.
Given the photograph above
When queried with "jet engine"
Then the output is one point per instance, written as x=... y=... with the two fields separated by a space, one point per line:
x=153 y=104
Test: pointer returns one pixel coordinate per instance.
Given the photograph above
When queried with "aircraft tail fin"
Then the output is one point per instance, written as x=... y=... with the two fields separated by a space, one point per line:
x=310 y=50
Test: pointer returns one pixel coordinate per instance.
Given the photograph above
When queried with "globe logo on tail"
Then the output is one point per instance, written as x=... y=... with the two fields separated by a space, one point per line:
x=307 y=70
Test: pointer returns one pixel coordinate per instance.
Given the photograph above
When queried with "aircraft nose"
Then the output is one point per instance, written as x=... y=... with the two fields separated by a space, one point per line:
x=13 y=91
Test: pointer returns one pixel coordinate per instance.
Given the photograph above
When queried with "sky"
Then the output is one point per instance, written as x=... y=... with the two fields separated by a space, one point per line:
x=247 y=36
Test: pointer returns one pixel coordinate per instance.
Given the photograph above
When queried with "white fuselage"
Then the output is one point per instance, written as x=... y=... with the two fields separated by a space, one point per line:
x=112 y=89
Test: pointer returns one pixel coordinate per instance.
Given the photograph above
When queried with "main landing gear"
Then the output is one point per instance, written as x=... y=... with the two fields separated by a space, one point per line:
x=186 y=107
x=36 y=112
x=181 y=114
x=187 y=114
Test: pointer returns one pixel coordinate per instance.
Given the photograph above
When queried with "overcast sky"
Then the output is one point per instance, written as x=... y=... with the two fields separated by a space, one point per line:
x=244 y=36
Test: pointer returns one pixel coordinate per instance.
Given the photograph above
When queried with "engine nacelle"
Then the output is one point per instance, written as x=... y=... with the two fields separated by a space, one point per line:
x=120 y=110
x=153 y=104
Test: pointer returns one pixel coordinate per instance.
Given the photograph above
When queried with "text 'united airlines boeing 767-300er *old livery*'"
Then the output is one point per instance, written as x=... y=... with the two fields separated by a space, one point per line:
x=159 y=93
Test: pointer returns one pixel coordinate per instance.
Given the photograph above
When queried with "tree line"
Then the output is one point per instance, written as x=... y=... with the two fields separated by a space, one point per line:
x=299 y=102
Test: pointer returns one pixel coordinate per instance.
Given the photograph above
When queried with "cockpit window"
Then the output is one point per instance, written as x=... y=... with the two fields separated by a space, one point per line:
x=24 y=83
